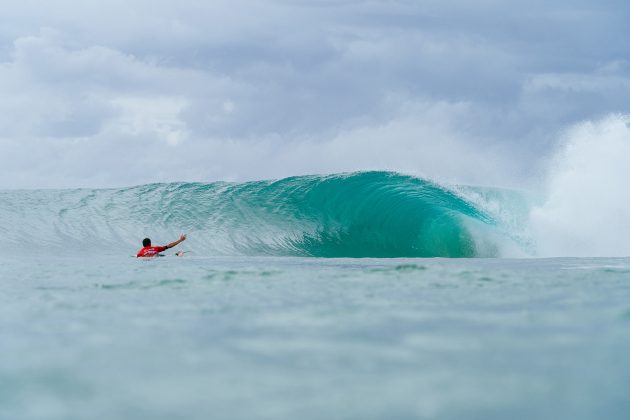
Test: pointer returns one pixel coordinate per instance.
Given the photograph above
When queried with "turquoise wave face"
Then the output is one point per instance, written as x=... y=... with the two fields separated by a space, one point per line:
x=366 y=214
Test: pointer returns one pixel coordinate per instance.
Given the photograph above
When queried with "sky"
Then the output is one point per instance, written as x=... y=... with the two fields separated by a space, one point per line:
x=118 y=93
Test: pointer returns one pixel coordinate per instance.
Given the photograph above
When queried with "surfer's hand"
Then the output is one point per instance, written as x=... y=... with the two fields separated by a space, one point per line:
x=182 y=237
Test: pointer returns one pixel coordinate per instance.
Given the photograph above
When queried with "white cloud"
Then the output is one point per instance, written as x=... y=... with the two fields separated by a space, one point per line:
x=159 y=116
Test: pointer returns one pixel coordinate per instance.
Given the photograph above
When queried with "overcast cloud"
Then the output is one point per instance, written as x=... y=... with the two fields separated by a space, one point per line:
x=112 y=93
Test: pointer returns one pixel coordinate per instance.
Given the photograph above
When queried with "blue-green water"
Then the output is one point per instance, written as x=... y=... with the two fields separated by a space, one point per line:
x=254 y=323
x=269 y=338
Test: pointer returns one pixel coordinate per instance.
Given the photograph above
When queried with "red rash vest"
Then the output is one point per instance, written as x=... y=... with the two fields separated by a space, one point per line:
x=151 y=251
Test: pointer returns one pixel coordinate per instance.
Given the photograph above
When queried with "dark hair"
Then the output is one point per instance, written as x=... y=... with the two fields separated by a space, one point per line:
x=146 y=242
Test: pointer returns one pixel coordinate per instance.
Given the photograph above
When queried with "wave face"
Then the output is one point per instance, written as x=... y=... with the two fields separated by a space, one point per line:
x=366 y=214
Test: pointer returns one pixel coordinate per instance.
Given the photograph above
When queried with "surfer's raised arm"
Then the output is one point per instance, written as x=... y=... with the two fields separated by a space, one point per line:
x=181 y=239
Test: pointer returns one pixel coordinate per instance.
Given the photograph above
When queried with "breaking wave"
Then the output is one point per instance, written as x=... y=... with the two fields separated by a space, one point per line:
x=364 y=214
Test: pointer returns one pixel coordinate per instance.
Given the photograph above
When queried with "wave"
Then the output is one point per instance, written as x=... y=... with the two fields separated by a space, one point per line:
x=364 y=214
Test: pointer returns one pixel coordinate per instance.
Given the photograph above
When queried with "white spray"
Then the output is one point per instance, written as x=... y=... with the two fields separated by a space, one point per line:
x=587 y=207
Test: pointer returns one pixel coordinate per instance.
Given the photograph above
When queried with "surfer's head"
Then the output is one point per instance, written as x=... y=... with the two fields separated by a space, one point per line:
x=146 y=242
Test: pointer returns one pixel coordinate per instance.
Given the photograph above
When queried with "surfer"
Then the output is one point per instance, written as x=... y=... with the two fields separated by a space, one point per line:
x=154 y=251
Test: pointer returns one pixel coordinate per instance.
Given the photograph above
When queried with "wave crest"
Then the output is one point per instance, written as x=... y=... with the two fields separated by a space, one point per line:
x=365 y=214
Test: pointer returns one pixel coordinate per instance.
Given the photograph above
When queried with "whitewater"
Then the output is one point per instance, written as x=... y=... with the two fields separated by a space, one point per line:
x=364 y=295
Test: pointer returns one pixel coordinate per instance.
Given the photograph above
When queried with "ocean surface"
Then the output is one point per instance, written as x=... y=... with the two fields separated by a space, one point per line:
x=356 y=296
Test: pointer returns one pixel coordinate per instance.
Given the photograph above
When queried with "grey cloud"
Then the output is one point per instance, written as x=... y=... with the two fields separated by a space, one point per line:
x=200 y=85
